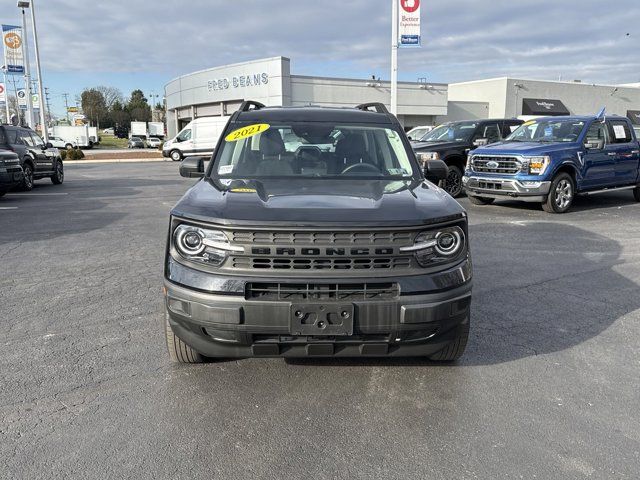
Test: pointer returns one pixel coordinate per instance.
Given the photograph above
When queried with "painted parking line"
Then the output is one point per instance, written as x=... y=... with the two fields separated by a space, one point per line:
x=35 y=194
x=8 y=208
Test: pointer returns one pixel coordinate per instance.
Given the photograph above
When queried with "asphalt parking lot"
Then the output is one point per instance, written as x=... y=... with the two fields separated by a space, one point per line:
x=548 y=388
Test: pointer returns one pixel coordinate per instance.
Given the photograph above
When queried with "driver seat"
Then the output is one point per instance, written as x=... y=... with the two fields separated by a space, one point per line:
x=273 y=157
x=349 y=151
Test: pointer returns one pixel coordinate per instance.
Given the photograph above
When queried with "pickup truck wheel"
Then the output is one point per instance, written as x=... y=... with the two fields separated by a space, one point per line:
x=58 y=177
x=175 y=155
x=27 y=181
x=480 y=200
x=561 y=194
x=179 y=352
x=636 y=193
x=453 y=184
x=454 y=350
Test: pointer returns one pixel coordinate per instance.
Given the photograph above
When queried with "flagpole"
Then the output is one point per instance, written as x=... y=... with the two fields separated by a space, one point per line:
x=6 y=93
x=394 y=57
x=27 y=71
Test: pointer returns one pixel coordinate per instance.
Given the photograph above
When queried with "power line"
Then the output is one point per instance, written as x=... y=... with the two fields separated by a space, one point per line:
x=66 y=104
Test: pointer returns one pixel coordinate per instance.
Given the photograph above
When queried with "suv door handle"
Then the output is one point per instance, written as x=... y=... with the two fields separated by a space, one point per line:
x=612 y=154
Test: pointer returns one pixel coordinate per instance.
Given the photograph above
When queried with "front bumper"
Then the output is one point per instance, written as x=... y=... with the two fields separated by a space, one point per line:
x=506 y=187
x=232 y=326
x=10 y=179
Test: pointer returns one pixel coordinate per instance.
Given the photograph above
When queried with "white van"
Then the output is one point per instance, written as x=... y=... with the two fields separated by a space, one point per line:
x=199 y=137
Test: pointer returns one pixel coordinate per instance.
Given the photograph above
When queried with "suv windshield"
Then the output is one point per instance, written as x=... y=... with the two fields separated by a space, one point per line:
x=548 y=130
x=452 y=132
x=312 y=150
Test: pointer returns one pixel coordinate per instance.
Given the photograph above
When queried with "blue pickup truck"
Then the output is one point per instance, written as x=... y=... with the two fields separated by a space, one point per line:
x=550 y=160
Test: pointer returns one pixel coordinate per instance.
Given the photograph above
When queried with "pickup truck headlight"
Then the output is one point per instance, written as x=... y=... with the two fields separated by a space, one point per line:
x=469 y=160
x=426 y=156
x=437 y=247
x=538 y=165
x=202 y=245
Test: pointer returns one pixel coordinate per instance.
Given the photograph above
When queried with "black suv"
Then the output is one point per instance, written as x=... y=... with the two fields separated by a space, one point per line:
x=314 y=232
x=38 y=160
x=10 y=171
x=451 y=142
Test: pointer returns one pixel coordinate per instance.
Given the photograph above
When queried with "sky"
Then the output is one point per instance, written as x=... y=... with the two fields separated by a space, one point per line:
x=144 y=44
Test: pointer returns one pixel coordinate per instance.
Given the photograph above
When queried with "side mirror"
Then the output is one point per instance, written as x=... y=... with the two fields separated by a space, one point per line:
x=435 y=170
x=177 y=139
x=480 y=142
x=594 y=144
x=192 y=167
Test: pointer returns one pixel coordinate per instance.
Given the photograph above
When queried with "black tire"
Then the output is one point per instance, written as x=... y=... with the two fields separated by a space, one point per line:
x=636 y=193
x=453 y=183
x=480 y=200
x=176 y=155
x=3 y=193
x=179 y=352
x=455 y=349
x=27 y=180
x=561 y=194
x=58 y=177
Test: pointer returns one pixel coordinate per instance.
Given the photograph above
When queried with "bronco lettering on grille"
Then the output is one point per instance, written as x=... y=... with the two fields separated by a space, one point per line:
x=316 y=252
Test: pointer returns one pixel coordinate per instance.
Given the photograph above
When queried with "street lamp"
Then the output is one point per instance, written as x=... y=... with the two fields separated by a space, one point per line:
x=30 y=5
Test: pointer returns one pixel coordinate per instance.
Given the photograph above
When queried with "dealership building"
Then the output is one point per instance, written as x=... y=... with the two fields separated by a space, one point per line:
x=219 y=91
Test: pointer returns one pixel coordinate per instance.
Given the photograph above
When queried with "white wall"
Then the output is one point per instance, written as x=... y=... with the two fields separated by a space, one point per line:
x=491 y=92
x=458 y=111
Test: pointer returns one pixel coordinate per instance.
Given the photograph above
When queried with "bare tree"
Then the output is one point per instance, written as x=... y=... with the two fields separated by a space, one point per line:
x=111 y=95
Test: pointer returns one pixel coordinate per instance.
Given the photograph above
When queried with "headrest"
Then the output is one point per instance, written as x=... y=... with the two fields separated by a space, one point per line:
x=271 y=143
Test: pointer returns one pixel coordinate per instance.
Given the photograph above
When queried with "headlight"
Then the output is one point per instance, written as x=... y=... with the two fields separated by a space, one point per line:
x=469 y=161
x=426 y=156
x=202 y=245
x=537 y=165
x=437 y=247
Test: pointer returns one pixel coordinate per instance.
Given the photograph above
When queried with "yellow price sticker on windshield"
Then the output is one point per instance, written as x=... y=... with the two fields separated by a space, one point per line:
x=246 y=132
x=530 y=122
x=243 y=190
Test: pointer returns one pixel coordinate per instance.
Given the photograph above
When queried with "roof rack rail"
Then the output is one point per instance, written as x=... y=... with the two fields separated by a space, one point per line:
x=377 y=107
x=246 y=106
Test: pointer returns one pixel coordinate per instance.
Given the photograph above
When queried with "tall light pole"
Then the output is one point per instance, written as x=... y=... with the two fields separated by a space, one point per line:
x=394 y=57
x=6 y=94
x=27 y=70
x=30 y=4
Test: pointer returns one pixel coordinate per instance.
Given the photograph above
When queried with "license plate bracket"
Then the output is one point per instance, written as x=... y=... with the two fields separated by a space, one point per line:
x=321 y=319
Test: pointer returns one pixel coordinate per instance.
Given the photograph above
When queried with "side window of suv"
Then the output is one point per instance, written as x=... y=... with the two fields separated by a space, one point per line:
x=491 y=132
x=37 y=139
x=619 y=131
x=597 y=131
x=508 y=128
x=25 y=136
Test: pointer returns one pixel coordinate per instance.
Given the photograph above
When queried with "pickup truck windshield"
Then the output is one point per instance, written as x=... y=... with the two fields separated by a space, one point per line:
x=548 y=130
x=452 y=132
x=312 y=150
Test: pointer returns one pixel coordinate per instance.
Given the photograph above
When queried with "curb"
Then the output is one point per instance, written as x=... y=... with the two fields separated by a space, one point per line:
x=118 y=160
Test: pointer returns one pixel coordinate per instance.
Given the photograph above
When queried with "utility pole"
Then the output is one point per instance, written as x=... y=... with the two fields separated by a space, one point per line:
x=66 y=104
x=394 y=57
x=27 y=70
x=45 y=133
x=6 y=95
x=46 y=96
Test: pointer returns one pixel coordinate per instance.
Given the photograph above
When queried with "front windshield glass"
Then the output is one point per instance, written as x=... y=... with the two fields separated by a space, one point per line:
x=452 y=132
x=548 y=130
x=312 y=150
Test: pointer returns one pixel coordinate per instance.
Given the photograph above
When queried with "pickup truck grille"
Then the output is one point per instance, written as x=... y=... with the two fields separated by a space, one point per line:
x=489 y=164
x=318 y=291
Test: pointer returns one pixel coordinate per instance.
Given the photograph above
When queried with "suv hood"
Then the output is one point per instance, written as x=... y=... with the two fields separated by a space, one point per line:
x=524 y=148
x=314 y=202
x=436 y=146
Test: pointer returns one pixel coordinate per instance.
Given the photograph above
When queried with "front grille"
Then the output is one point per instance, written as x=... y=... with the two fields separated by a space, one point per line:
x=297 y=263
x=314 y=291
x=321 y=238
x=505 y=165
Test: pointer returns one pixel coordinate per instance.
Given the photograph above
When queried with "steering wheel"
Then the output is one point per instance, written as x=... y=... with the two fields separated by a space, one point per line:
x=361 y=168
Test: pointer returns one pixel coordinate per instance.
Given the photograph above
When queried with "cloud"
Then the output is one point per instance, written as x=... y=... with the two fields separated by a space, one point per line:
x=463 y=39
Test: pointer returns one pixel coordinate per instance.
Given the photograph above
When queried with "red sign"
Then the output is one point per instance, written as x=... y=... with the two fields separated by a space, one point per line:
x=410 y=6
x=1 y=89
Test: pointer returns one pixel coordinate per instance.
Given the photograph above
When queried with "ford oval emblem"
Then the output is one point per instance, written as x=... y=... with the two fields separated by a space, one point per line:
x=493 y=164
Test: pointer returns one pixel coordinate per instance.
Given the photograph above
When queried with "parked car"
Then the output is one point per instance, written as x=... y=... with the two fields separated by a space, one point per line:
x=198 y=137
x=10 y=171
x=416 y=134
x=109 y=131
x=135 y=142
x=348 y=252
x=551 y=160
x=60 y=142
x=37 y=159
x=451 y=142
x=153 y=142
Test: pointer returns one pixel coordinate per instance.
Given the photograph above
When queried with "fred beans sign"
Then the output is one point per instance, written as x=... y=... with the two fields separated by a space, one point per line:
x=238 y=81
